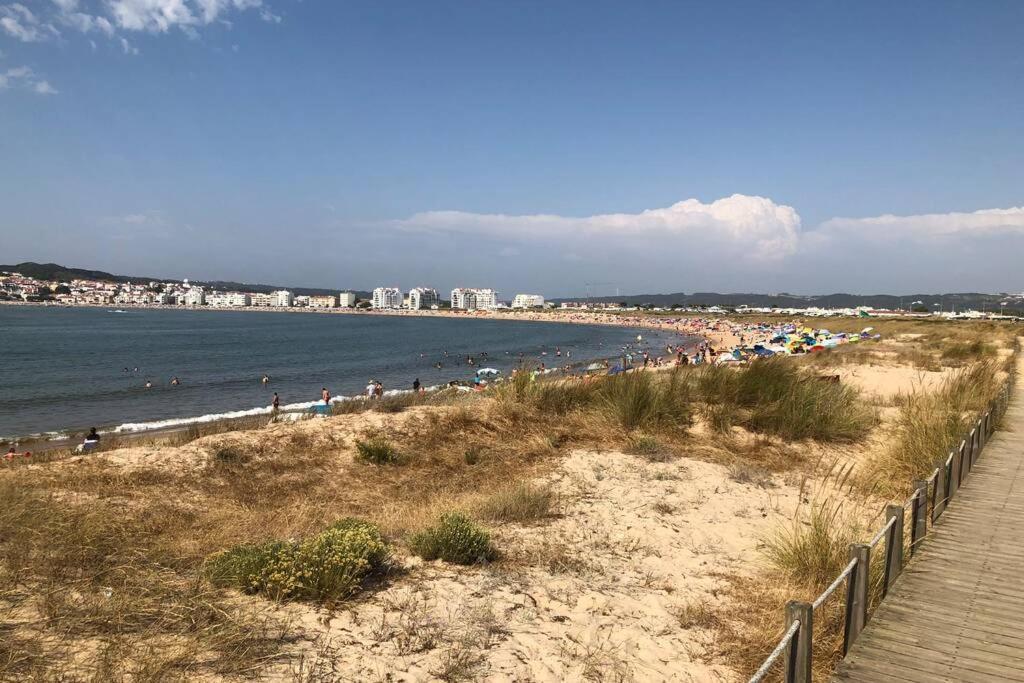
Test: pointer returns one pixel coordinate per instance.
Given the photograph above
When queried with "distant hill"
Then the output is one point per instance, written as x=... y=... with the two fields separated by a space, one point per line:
x=959 y=301
x=53 y=271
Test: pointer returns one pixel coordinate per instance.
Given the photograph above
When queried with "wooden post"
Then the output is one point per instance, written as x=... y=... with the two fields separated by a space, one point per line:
x=893 y=546
x=954 y=473
x=919 y=518
x=939 y=501
x=857 y=594
x=798 y=669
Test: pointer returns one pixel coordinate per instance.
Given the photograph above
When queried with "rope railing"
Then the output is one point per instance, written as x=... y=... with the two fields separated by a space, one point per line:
x=827 y=593
x=784 y=643
x=941 y=486
x=882 y=532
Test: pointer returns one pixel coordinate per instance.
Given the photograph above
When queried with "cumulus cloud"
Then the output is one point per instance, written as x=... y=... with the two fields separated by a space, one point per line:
x=23 y=77
x=754 y=227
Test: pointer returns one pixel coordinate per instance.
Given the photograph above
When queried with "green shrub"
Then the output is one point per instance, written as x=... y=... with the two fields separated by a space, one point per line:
x=648 y=447
x=638 y=400
x=229 y=454
x=328 y=567
x=377 y=450
x=455 y=538
x=473 y=455
x=518 y=503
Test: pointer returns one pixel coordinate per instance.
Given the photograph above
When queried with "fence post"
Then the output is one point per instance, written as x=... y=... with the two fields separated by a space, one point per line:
x=893 y=546
x=939 y=501
x=798 y=668
x=918 y=518
x=954 y=472
x=857 y=594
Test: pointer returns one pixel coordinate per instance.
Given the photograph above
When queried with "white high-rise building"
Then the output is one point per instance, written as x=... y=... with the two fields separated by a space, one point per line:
x=528 y=301
x=283 y=298
x=387 y=297
x=422 y=297
x=347 y=299
x=260 y=299
x=195 y=296
x=469 y=299
x=228 y=299
x=323 y=301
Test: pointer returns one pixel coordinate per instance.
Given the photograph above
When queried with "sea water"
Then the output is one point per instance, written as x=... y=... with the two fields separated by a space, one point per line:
x=67 y=369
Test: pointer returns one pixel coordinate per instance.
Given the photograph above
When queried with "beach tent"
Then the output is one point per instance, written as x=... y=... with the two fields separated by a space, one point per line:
x=488 y=371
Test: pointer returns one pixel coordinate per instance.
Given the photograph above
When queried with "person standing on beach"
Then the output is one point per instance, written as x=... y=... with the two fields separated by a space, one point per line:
x=325 y=395
x=275 y=405
x=416 y=385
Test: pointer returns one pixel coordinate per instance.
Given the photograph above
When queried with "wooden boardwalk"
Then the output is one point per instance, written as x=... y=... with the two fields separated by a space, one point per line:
x=957 y=611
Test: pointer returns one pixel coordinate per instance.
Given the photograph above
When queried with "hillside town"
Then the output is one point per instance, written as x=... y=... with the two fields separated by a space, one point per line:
x=81 y=292
x=15 y=287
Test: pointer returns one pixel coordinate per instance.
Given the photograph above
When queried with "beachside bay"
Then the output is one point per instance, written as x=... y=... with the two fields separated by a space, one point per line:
x=73 y=368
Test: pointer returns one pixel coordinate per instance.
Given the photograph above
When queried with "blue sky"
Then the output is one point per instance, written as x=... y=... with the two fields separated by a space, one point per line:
x=804 y=147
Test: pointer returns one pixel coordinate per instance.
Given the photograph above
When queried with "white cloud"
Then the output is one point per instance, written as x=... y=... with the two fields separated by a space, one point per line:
x=20 y=22
x=752 y=227
x=888 y=227
x=128 y=48
x=160 y=16
x=86 y=23
x=24 y=78
x=43 y=88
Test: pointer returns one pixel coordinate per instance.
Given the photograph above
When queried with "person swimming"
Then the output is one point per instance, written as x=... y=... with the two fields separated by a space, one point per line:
x=149 y=385
x=175 y=381
x=265 y=379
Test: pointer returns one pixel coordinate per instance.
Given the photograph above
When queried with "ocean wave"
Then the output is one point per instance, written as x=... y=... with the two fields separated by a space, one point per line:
x=291 y=411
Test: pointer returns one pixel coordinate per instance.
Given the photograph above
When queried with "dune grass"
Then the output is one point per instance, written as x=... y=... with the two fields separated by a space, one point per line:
x=521 y=503
x=932 y=423
x=774 y=396
x=639 y=400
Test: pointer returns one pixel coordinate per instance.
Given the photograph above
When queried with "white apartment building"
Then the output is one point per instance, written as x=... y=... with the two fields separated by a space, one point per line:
x=194 y=297
x=323 y=301
x=422 y=297
x=283 y=298
x=528 y=301
x=387 y=297
x=259 y=299
x=347 y=299
x=469 y=299
x=228 y=299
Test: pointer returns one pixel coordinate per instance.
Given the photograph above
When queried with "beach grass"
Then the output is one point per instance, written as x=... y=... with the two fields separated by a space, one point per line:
x=775 y=396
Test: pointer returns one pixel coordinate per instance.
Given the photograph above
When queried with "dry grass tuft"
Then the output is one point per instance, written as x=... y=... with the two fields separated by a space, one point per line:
x=932 y=423
x=520 y=503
